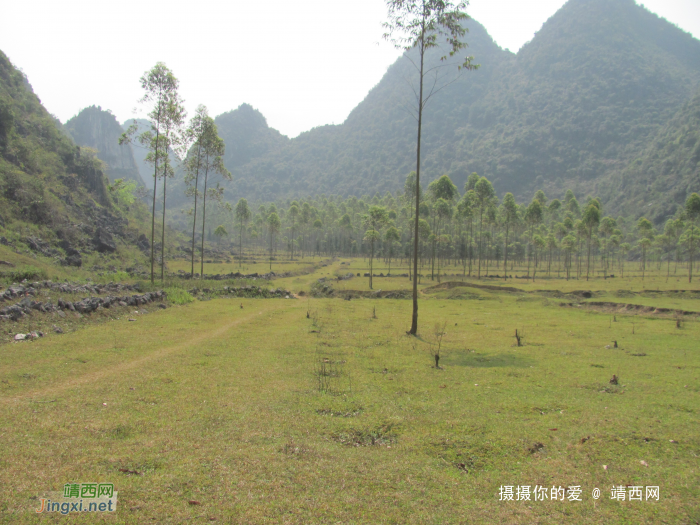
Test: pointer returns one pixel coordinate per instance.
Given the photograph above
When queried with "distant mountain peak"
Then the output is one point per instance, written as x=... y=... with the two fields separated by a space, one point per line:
x=99 y=129
x=244 y=116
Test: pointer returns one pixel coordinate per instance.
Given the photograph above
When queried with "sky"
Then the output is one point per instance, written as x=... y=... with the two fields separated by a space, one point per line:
x=302 y=63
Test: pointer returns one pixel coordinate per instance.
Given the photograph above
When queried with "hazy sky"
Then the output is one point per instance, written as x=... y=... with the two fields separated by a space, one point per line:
x=302 y=63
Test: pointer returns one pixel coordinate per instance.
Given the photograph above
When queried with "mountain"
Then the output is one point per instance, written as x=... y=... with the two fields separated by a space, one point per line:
x=98 y=129
x=247 y=136
x=578 y=103
x=53 y=194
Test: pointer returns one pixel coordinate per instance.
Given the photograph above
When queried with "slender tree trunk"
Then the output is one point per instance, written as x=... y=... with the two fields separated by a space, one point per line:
x=529 y=254
x=194 y=220
x=481 y=227
x=153 y=215
x=204 y=216
x=690 y=255
x=371 y=261
x=588 y=262
x=162 y=233
x=505 y=260
x=292 y=258
x=240 y=247
x=414 y=319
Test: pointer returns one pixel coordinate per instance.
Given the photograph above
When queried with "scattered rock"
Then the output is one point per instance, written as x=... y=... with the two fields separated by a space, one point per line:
x=20 y=337
x=57 y=329
x=143 y=243
x=103 y=241
x=72 y=260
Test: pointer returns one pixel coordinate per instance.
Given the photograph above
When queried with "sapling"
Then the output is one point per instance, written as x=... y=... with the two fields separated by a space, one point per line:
x=439 y=333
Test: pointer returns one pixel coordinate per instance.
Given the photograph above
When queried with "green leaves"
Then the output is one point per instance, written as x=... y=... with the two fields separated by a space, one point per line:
x=427 y=24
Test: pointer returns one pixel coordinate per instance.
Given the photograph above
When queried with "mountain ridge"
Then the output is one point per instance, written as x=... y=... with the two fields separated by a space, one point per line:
x=574 y=105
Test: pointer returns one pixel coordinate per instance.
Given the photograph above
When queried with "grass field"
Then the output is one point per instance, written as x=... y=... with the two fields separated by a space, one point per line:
x=325 y=411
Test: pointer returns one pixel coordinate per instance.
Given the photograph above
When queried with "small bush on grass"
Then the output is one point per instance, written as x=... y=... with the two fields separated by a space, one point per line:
x=179 y=296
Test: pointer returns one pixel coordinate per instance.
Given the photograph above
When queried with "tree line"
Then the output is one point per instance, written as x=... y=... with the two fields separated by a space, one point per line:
x=475 y=230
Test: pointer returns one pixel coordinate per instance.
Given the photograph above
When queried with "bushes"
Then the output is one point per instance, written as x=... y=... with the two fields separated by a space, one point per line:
x=179 y=296
x=30 y=273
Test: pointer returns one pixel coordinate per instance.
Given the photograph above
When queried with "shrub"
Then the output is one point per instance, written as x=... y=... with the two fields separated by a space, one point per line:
x=30 y=273
x=179 y=296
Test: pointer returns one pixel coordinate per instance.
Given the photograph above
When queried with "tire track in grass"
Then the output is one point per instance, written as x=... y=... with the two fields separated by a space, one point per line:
x=91 y=377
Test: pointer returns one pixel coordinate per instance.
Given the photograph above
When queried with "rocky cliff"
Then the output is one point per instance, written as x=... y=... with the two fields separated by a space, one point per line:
x=98 y=129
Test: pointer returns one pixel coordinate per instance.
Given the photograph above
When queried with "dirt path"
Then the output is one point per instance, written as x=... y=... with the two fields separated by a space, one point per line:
x=91 y=377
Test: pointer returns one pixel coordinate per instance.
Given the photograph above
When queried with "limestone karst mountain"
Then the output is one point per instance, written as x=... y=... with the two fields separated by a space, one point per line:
x=99 y=129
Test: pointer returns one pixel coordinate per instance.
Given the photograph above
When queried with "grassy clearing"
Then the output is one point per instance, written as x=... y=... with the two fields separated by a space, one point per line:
x=264 y=415
x=259 y=265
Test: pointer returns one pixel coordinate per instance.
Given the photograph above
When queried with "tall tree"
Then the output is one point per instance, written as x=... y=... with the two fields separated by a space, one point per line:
x=533 y=216
x=166 y=115
x=443 y=213
x=293 y=214
x=590 y=219
x=391 y=236
x=692 y=213
x=219 y=233
x=193 y=162
x=304 y=220
x=273 y=227
x=485 y=198
x=374 y=221
x=510 y=214
x=242 y=215
x=424 y=25
x=175 y=141
x=409 y=194
x=646 y=232
x=212 y=163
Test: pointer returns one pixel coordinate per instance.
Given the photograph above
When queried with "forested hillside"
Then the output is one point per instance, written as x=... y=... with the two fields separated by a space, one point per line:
x=658 y=181
x=54 y=197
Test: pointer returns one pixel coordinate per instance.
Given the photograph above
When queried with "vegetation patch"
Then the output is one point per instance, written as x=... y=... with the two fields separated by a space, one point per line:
x=29 y=273
x=178 y=296
x=379 y=436
x=353 y=412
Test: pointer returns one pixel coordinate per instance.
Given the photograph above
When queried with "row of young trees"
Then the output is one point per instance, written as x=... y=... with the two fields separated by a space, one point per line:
x=475 y=230
x=197 y=147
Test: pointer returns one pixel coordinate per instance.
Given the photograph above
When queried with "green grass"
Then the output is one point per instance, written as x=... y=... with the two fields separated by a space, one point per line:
x=221 y=404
